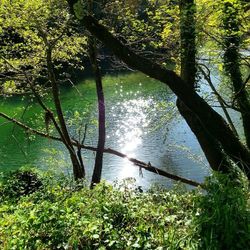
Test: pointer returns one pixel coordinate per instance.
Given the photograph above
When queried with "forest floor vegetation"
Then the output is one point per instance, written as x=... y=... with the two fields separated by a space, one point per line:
x=41 y=210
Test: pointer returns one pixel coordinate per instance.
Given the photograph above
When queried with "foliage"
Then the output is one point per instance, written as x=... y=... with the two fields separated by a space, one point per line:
x=223 y=220
x=19 y=183
x=211 y=31
x=61 y=216
x=68 y=215
x=27 y=29
x=147 y=26
x=211 y=13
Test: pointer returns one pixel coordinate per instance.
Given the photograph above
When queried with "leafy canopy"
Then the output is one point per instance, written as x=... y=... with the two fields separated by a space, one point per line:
x=28 y=28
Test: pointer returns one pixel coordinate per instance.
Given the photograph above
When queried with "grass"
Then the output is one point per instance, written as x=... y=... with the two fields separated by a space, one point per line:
x=56 y=213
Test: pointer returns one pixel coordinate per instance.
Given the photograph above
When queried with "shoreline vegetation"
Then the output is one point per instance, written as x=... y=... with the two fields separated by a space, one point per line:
x=46 y=46
x=45 y=210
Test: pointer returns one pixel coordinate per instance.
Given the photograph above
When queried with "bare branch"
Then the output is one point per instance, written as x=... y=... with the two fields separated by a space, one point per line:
x=207 y=77
x=219 y=97
x=236 y=95
x=40 y=101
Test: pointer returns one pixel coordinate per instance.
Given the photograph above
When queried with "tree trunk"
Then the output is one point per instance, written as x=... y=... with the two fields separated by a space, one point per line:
x=210 y=119
x=210 y=146
x=231 y=42
x=188 y=44
x=96 y=177
x=78 y=169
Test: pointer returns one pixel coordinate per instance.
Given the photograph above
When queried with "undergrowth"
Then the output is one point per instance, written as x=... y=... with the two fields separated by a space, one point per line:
x=60 y=214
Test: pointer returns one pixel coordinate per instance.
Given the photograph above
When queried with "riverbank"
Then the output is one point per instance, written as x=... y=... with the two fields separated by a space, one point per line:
x=46 y=211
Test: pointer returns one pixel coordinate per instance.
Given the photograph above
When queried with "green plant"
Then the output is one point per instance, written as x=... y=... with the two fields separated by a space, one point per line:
x=62 y=215
x=16 y=184
x=68 y=215
x=223 y=216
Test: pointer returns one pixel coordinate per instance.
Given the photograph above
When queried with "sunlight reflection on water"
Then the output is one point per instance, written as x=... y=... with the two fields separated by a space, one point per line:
x=141 y=122
x=133 y=120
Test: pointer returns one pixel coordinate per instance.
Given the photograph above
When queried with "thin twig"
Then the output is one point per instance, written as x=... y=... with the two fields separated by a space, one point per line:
x=219 y=97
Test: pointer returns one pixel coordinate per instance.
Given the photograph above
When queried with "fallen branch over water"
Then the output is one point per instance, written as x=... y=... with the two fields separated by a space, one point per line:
x=136 y=162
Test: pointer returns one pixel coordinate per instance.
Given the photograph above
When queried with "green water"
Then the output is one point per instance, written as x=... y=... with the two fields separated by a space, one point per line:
x=141 y=122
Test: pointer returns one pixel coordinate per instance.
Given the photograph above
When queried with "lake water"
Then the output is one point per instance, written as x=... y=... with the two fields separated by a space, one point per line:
x=142 y=122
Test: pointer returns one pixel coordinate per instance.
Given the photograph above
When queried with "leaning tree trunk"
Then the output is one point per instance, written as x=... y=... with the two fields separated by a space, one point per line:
x=210 y=146
x=231 y=42
x=96 y=177
x=210 y=119
x=78 y=168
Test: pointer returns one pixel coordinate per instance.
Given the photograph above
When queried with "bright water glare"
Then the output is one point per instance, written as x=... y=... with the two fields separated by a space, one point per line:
x=141 y=123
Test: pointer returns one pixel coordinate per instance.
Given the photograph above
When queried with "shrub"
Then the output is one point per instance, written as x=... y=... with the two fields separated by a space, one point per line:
x=19 y=183
x=223 y=220
x=63 y=214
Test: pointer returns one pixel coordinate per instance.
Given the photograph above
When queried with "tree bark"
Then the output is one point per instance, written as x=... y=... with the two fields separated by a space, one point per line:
x=210 y=146
x=188 y=44
x=78 y=169
x=96 y=177
x=211 y=120
x=231 y=42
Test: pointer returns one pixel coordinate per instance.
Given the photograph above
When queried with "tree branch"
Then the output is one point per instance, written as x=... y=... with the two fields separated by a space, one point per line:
x=218 y=96
x=211 y=120
x=136 y=162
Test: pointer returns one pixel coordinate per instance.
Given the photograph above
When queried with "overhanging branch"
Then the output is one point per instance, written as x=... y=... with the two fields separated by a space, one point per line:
x=210 y=119
x=136 y=162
